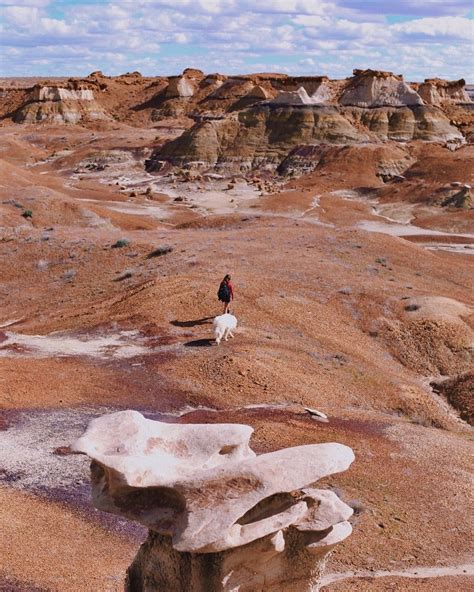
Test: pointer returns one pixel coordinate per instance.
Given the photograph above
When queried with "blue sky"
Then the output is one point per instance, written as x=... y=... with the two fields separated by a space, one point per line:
x=418 y=38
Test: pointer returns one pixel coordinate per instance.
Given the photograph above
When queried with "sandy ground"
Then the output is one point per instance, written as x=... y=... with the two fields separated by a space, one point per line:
x=334 y=313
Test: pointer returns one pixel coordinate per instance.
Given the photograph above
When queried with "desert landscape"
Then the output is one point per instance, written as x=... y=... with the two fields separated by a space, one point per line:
x=343 y=210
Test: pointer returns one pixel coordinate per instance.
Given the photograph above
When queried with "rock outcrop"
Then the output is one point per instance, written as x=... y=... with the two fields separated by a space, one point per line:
x=380 y=161
x=220 y=518
x=435 y=91
x=264 y=135
x=405 y=124
x=55 y=93
x=461 y=199
x=458 y=390
x=372 y=88
x=184 y=86
x=256 y=120
x=310 y=90
x=60 y=104
x=259 y=136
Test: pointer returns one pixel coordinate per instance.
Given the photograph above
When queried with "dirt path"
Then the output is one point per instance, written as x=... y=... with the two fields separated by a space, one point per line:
x=466 y=569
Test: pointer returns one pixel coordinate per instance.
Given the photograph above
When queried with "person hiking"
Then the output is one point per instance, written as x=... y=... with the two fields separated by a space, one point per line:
x=226 y=292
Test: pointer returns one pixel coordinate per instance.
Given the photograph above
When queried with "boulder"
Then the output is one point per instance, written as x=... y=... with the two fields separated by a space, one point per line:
x=219 y=516
x=461 y=199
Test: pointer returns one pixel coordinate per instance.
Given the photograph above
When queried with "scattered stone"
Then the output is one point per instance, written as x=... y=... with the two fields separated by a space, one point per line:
x=42 y=264
x=317 y=415
x=347 y=290
x=160 y=251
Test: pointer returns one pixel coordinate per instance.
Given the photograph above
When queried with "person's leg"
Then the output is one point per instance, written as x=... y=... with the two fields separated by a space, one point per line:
x=226 y=304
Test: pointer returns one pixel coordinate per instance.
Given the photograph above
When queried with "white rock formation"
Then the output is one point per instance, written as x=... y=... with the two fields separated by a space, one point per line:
x=315 y=91
x=371 y=88
x=184 y=86
x=56 y=93
x=220 y=517
x=301 y=97
x=180 y=87
x=435 y=91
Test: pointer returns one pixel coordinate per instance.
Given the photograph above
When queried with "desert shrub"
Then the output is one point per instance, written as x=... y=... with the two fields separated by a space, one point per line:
x=122 y=242
x=27 y=214
x=159 y=251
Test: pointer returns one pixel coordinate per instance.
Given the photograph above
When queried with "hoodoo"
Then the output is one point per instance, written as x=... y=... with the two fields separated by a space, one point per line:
x=220 y=518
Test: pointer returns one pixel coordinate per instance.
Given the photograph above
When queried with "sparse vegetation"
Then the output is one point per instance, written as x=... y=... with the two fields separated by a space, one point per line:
x=27 y=214
x=122 y=242
x=159 y=251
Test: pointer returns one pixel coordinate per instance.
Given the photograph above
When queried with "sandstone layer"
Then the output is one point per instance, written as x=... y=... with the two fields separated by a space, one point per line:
x=264 y=135
x=140 y=100
x=55 y=104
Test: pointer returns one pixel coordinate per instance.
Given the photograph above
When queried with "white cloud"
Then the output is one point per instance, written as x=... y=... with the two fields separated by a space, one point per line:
x=21 y=16
x=447 y=26
x=332 y=36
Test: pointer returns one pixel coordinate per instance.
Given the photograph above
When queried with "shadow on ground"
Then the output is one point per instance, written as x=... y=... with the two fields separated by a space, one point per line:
x=203 y=321
x=199 y=343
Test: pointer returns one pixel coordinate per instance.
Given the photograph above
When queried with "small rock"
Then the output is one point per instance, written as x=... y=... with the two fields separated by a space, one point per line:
x=346 y=290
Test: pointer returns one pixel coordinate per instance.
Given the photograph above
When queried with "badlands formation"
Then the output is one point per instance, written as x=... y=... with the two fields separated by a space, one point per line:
x=343 y=210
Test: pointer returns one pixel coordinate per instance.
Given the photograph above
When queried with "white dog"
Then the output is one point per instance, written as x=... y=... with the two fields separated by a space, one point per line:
x=223 y=326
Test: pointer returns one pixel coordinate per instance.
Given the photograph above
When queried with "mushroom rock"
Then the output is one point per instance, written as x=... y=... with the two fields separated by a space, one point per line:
x=372 y=88
x=220 y=518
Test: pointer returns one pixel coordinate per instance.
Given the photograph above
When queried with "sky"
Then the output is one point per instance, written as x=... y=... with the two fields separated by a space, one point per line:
x=417 y=38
